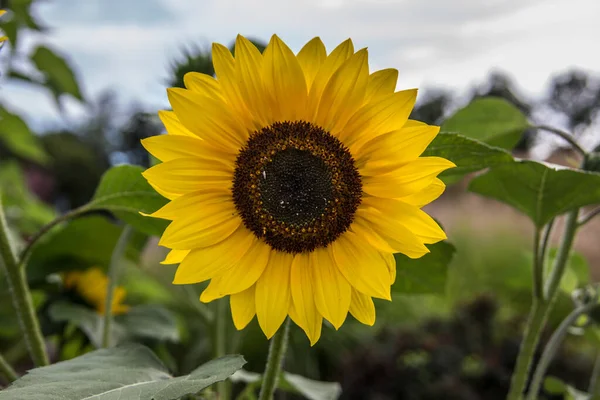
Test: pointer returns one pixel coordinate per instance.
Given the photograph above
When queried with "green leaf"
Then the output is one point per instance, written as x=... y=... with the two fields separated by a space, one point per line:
x=554 y=385
x=538 y=191
x=149 y=321
x=140 y=322
x=469 y=155
x=88 y=320
x=124 y=192
x=60 y=78
x=18 y=138
x=126 y=372
x=490 y=119
x=311 y=389
x=425 y=275
x=82 y=243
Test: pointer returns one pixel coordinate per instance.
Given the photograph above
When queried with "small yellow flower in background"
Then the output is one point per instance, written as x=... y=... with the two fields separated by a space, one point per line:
x=91 y=285
x=2 y=37
x=293 y=179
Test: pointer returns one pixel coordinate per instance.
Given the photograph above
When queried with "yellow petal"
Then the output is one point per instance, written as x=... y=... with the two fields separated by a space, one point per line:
x=203 y=84
x=344 y=93
x=362 y=266
x=185 y=175
x=175 y=257
x=381 y=83
x=362 y=308
x=194 y=205
x=243 y=307
x=173 y=125
x=246 y=272
x=248 y=67
x=208 y=118
x=390 y=261
x=205 y=263
x=399 y=237
x=294 y=316
x=386 y=152
x=311 y=57
x=273 y=294
x=192 y=233
x=332 y=290
x=374 y=119
x=331 y=64
x=414 y=219
x=284 y=81
x=427 y=195
x=302 y=284
x=170 y=147
x=407 y=179
x=364 y=230
x=224 y=65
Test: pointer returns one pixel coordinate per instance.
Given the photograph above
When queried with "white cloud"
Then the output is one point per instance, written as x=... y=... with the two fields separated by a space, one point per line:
x=438 y=42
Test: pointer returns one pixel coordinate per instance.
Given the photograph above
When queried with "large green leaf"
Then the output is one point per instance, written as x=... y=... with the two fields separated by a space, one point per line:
x=60 y=78
x=82 y=243
x=124 y=192
x=145 y=321
x=297 y=384
x=468 y=154
x=490 y=119
x=539 y=191
x=130 y=372
x=425 y=275
x=18 y=138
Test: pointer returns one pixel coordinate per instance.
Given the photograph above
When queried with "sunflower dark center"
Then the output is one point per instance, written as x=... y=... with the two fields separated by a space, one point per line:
x=296 y=186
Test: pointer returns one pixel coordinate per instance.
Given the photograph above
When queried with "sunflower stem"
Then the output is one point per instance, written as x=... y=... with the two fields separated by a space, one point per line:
x=540 y=309
x=594 y=388
x=277 y=348
x=113 y=274
x=221 y=343
x=7 y=371
x=21 y=295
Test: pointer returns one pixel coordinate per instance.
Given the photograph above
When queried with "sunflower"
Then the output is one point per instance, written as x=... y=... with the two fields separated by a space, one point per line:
x=91 y=286
x=292 y=180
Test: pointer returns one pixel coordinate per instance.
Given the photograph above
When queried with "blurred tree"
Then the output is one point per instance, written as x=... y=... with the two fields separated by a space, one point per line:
x=577 y=95
x=198 y=59
x=433 y=107
x=140 y=126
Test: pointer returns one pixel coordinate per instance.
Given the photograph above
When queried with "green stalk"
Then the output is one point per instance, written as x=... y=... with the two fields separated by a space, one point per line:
x=21 y=295
x=113 y=275
x=552 y=348
x=594 y=389
x=540 y=309
x=220 y=343
x=7 y=371
x=277 y=349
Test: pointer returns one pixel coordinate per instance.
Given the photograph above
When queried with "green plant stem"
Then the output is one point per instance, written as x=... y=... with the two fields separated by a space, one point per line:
x=113 y=275
x=540 y=309
x=21 y=295
x=560 y=263
x=546 y=241
x=588 y=217
x=552 y=348
x=7 y=371
x=46 y=228
x=277 y=348
x=221 y=343
x=538 y=266
x=594 y=388
x=565 y=135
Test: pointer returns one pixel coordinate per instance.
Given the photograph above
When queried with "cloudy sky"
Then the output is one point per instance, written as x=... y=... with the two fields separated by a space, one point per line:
x=128 y=44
